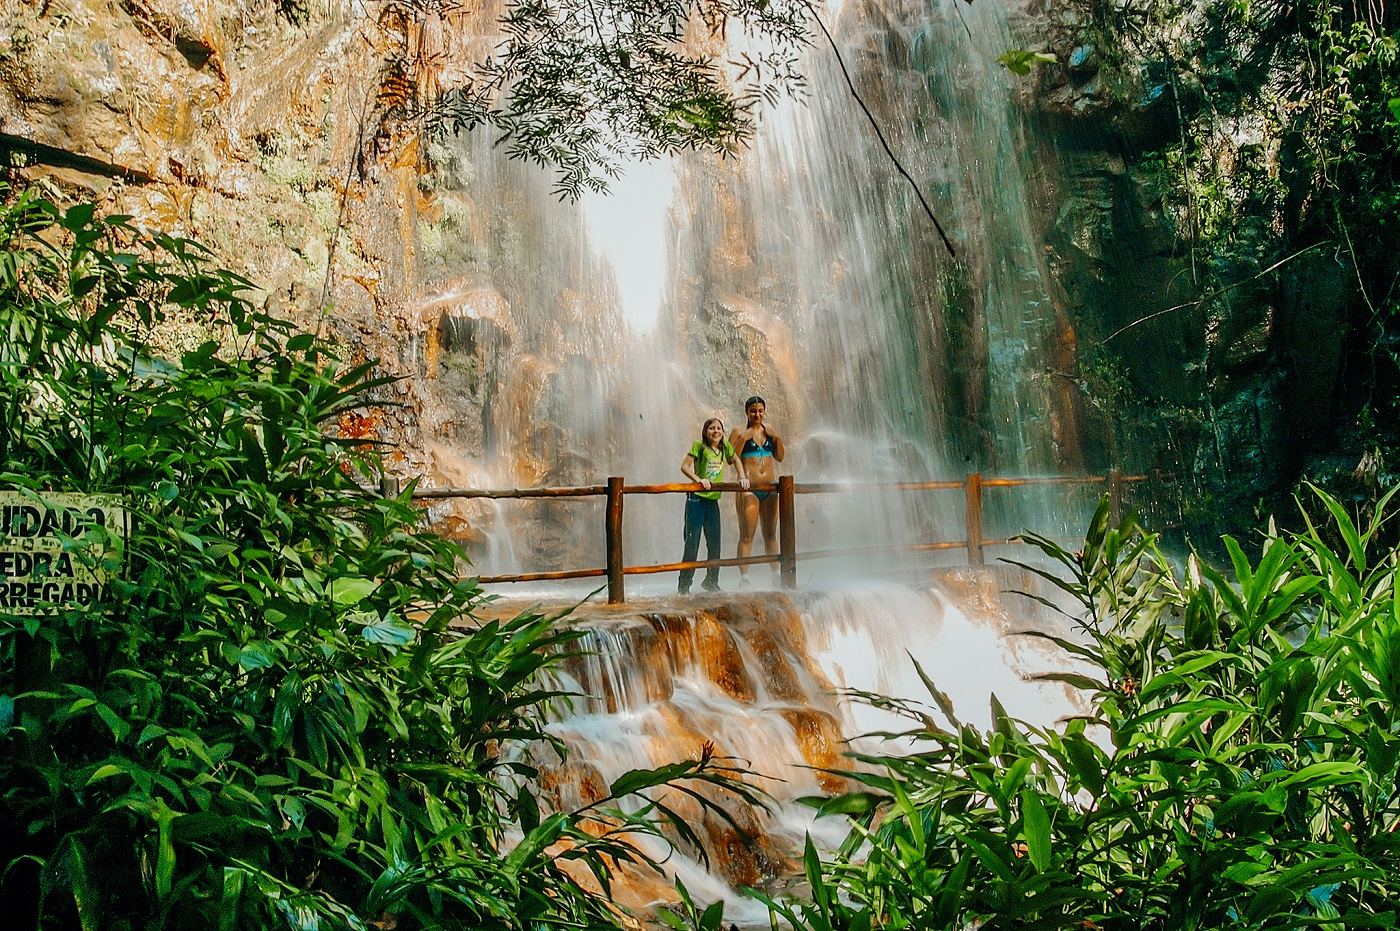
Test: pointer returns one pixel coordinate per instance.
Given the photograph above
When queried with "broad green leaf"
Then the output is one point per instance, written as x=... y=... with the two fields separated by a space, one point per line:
x=1036 y=828
x=1329 y=772
x=105 y=771
x=1085 y=758
x=389 y=631
x=1244 y=871
x=351 y=590
x=230 y=898
x=255 y=656
x=537 y=840
x=86 y=895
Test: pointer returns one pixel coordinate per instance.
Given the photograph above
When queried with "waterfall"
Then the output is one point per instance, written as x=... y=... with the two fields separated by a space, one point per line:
x=597 y=336
x=802 y=270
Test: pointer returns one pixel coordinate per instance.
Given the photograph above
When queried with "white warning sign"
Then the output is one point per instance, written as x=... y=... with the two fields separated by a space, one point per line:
x=50 y=558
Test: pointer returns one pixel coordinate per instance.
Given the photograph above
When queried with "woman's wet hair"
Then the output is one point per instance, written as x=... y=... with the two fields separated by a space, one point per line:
x=754 y=400
x=705 y=428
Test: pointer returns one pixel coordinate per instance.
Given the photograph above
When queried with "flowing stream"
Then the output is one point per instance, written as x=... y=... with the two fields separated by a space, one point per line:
x=764 y=679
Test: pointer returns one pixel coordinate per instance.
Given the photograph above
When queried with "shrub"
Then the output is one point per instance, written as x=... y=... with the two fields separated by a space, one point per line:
x=270 y=720
x=1238 y=768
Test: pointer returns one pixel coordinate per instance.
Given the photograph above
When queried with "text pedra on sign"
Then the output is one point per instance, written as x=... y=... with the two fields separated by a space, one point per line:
x=56 y=549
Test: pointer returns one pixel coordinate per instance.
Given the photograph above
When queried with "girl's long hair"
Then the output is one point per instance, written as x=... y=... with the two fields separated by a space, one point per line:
x=705 y=428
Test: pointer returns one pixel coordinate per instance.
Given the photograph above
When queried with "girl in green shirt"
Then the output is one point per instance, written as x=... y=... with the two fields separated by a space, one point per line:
x=704 y=464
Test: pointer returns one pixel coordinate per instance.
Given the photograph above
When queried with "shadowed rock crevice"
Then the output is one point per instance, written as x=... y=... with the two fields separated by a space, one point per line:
x=30 y=152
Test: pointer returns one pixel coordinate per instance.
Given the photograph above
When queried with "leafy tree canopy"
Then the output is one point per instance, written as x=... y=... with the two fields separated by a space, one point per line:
x=585 y=86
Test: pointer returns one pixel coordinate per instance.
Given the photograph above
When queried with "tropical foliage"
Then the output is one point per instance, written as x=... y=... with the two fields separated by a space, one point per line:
x=282 y=714
x=1237 y=767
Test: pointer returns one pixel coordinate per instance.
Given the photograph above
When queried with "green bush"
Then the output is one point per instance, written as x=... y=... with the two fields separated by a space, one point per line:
x=270 y=721
x=1237 y=770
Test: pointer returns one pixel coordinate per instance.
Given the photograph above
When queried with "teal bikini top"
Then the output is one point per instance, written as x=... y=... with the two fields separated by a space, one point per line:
x=752 y=450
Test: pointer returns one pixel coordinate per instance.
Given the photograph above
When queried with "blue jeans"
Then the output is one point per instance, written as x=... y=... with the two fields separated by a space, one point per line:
x=701 y=514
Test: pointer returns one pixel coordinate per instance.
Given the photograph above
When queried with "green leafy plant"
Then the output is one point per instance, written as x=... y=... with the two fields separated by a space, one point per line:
x=1021 y=61
x=283 y=713
x=1237 y=768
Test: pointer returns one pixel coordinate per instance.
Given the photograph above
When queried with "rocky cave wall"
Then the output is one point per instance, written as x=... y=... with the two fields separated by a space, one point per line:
x=1239 y=388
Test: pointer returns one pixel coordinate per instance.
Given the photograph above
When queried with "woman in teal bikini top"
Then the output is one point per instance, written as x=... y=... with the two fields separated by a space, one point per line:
x=761 y=449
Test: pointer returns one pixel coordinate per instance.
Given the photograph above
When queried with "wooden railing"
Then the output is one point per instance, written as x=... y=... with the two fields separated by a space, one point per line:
x=616 y=491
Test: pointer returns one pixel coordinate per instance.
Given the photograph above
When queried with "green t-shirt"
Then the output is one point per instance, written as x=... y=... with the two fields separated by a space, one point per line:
x=709 y=463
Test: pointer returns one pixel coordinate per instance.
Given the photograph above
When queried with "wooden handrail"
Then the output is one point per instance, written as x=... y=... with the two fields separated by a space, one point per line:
x=821 y=488
x=801 y=488
x=672 y=487
x=878 y=548
x=1053 y=480
x=615 y=491
x=733 y=561
x=545 y=576
x=702 y=564
x=580 y=491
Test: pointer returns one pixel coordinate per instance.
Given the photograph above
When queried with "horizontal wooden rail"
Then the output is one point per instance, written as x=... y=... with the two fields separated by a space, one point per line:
x=818 y=488
x=545 y=576
x=673 y=487
x=732 y=561
x=580 y=491
x=1057 y=480
x=878 y=548
x=629 y=570
x=701 y=564
x=802 y=488
x=821 y=488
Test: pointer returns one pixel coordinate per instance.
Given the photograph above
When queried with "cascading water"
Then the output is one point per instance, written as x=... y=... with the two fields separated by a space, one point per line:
x=597 y=336
x=763 y=679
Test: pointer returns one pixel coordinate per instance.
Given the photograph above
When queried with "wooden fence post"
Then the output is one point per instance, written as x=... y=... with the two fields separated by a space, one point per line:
x=1115 y=496
x=972 y=489
x=613 y=535
x=787 y=532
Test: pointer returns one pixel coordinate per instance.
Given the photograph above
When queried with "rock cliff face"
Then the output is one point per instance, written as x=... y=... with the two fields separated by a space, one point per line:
x=261 y=130
x=274 y=133
x=1218 y=311
x=218 y=120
